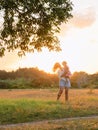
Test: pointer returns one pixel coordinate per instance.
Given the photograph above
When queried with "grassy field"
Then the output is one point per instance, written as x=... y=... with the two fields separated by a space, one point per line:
x=19 y=106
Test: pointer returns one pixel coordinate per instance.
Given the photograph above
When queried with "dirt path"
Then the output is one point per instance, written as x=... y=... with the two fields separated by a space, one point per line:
x=46 y=121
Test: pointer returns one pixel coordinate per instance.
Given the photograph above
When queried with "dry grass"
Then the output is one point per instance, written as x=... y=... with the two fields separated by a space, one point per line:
x=79 y=99
x=48 y=94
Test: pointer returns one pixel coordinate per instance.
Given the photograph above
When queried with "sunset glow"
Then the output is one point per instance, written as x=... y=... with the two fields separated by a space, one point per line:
x=78 y=39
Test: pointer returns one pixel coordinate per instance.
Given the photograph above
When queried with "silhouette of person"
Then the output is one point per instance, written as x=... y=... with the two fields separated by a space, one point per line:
x=64 y=78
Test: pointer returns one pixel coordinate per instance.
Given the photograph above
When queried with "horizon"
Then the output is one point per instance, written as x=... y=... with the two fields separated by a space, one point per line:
x=43 y=70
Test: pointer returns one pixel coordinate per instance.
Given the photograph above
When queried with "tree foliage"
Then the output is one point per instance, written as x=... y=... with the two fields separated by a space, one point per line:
x=27 y=78
x=80 y=79
x=30 y=25
x=35 y=78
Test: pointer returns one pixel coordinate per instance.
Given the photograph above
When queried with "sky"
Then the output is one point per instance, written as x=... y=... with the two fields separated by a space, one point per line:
x=78 y=40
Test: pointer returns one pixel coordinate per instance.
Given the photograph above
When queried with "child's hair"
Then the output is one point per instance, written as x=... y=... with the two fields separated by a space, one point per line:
x=56 y=66
x=64 y=63
x=66 y=69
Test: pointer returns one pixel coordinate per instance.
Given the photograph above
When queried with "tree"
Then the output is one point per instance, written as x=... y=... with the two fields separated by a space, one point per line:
x=30 y=25
x=80 y=79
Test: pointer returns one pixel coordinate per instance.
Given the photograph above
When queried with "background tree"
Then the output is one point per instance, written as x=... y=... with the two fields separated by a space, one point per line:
x=29 y=25
x=80 y=79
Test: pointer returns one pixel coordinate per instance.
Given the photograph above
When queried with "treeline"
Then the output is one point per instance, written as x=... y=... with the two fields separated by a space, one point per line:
x=35 y=78
x=27 y=78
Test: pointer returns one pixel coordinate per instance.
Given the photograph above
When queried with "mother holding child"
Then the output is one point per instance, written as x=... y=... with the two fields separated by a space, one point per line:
x=64 y=78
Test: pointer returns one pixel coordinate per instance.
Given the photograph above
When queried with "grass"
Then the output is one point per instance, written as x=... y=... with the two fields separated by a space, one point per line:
x=18 y=106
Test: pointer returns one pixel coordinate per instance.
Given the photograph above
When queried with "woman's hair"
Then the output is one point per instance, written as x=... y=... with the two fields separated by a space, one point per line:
x=56 y=66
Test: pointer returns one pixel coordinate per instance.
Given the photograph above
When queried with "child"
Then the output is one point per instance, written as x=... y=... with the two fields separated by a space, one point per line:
x=67 y=72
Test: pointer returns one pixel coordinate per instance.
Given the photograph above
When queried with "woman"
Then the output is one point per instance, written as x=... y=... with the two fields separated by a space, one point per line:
x=64 y=81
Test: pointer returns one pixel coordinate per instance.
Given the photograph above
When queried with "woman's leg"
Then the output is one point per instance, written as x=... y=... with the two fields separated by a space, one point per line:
x=66 y=94
x=59 y=93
